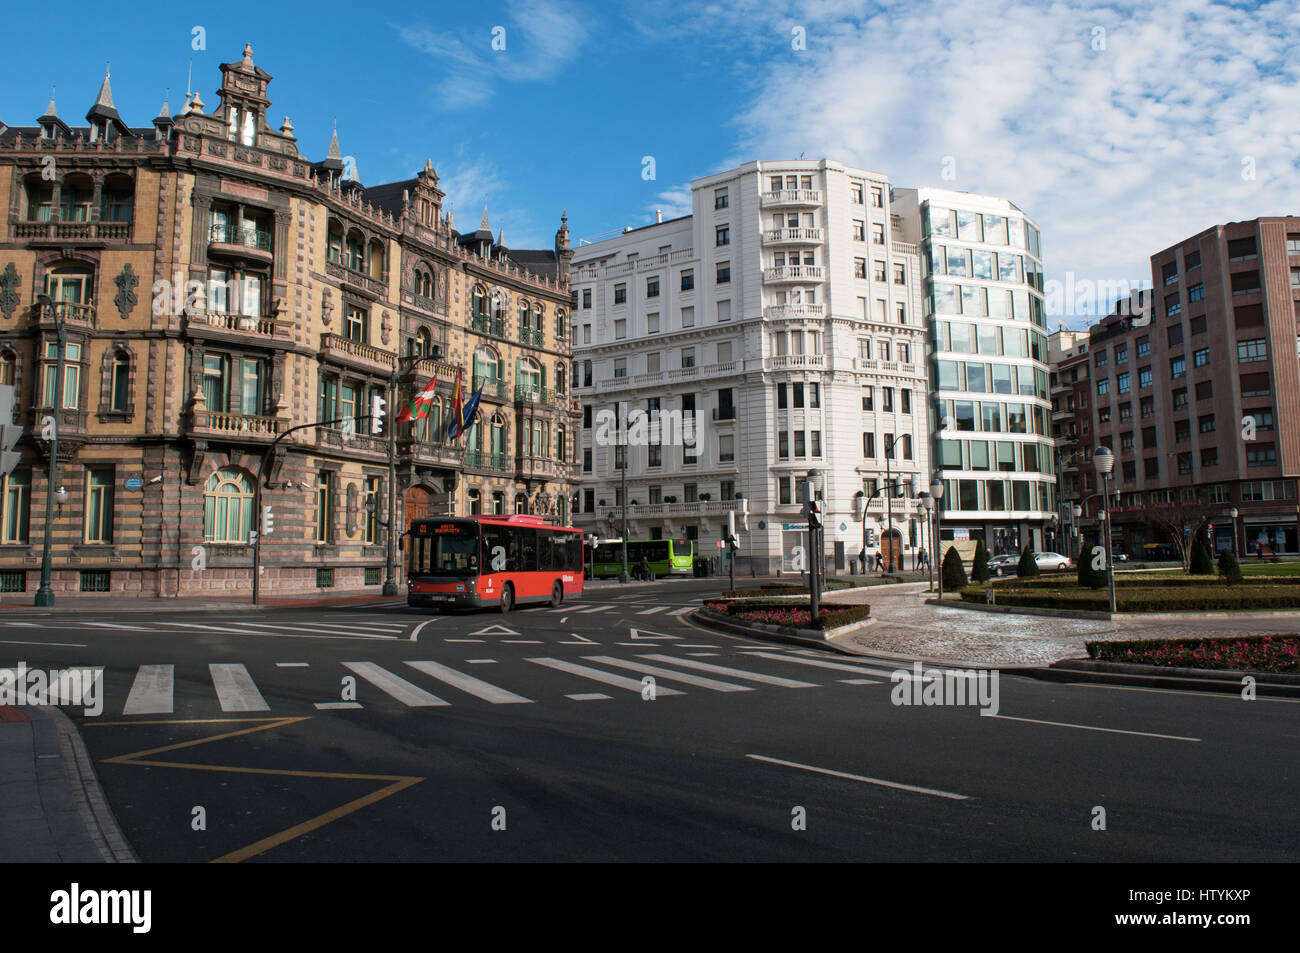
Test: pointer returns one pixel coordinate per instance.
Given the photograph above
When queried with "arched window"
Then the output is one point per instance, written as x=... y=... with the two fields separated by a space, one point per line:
x=375 y=259
x=487 y=367
x=77 y=196
x=423 y=282
x=8 y=367
x=560 y=379
x=423 y=342
x=561 y=325
x=528 y=378
x=560 y=448
x=431 y=426
x=336 y=243
x=475 y=502
x=523 y=321
x=119 y=393
x=478 y=302
x=356 y=251
x=40 y=199
x=498 y=305
x=228 y=507
x=497 y=437
x=521 y=503
x=537 y=319
x=116 y=198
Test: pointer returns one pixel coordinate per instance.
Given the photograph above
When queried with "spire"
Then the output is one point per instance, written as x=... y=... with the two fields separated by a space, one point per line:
x=51 y=121
x=483 y=225
x=105 y=98
x=166 y=111
x=248 y=54
x=51 y=110
x=334 y=152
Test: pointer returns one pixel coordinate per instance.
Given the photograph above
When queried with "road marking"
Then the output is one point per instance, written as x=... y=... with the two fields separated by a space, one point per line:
x=596 y=675
x=114 y=625
x=563 y=620
x=649 y=635
x=683 y=610
x=733 y=672
x=1113 y=731
x=335 y=630
x=415 y=634
x=235 y=688
x=337 y=706
x=26 y=625
x=495 y=629
x=582 y=643
x=292 y=664
x=1230 y=696
x=71 y=645
x=399 y=688
x=388 y=626
x=232 y=630
x=858 y=777
x=594 y=609
x=481 y=661
x=522 y=641
x=696 y=645
x=697 y=680
x=469 y=684
x=580 y=638
x=652 y=611
x=588 y=697
x=838 y=666
x=704 y=654
x=476 y=641
x=151 y=691
x=859 y=681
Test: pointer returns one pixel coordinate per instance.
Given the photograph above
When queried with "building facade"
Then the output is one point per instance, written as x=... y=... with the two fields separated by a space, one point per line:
x=988 y=351
x=219 y=290
x=782 y=319
x=1199 y=399
x=1067 y=352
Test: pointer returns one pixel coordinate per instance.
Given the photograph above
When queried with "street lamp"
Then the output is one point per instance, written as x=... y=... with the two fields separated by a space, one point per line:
x=923 y=506
x=1056 y=532
x=1233 y=513
x=936 y=543
x=1104 y=460
x=44 y=594
x=623 y=576
x=1074 y=526
x=814 y=542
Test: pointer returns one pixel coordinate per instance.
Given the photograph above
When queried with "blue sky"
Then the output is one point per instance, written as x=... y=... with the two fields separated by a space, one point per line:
x=1120 y=127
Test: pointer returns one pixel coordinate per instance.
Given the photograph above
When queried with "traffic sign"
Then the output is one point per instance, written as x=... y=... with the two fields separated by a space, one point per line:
x=134 y=483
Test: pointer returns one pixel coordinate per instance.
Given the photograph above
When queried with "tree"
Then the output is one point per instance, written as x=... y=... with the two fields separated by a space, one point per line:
x=954 y=573
x=1028 y=566
x=1195 y=515
x=1092 y=566
x=1229 y=568
x=1202 y=562
x=980 y=571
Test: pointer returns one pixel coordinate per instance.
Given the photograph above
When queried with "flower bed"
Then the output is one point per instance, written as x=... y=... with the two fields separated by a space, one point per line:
x=1260 y=653
x=796 y=615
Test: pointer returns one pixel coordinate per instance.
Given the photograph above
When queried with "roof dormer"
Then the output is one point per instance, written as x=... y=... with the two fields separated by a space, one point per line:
x=243 y=99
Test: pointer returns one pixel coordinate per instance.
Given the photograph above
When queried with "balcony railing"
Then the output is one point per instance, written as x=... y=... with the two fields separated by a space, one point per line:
x=69 y=312
x=72 y=230
x=493 y=387
x=530 y=393
x=705 y=370
x=336 y=344
x=793 y=197
x=237 y=423
x=794 y=273
x=485 y=325
x=792 y=236
x=699 y=508
x=795 y=360
x=244 y=323
x=243 y=235
x=786 y=312
x=486 y=460
x=356 y=277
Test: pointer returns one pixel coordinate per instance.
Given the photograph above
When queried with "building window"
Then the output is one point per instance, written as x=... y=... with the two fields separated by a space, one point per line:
x=1175 y=335
x=688 y=279
x=372 y=507
x=1210 y=458
x=1100 y=357
x=720 y=199
x=17 y=506
x=855 y=193
x=878 y=234
x=1263 y=455
x=1143 y=346
x=900 y=275
x=1204 y=391
x=859 y=230
x=688 y=357
x=1201 y=357
x=1103 y=387
x=620 y=367
x=324 y=508
x=722 y=235
x=1254 y=350
x=71 y=374
x=859 y=268
x=1178 y=367
x=620 y=328
x=877 y=196
x=724 y=273
x=1122 y=383
x=726 y=448
x=356 y=325
x=1241 y=249
x=652 y=287
x=620 y=294
x=783 y=445
x=228 y=507
x=688 y=317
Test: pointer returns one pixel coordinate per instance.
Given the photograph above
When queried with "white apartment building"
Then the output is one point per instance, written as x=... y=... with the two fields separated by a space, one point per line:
x=990 y=406
x=783 y=319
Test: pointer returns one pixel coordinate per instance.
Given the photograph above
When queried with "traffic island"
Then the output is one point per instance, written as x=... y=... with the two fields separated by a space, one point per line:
x=785 y=620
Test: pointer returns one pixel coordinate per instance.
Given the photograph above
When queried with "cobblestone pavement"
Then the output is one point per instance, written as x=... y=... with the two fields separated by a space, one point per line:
x=905 y=625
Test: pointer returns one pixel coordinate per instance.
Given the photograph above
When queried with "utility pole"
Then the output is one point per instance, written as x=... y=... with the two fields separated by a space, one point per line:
x=45 y=594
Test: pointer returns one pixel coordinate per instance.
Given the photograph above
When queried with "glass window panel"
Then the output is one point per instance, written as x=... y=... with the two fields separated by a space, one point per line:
x=974 y=301
x=946 y=299
x=992 y=417
x=1017 y=420
x=950 y=454
x=957 y=262
x=1003 y=380
x=962 y=338
x=982 y=264
x=999 y=303
x=949 y=378
x=965 y=414
x=979 y=455
x=977 y=378
x=990 y=339
x=969 y=227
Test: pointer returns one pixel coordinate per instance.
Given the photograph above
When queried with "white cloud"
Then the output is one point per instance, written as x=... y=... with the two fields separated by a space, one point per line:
x=1117 y=152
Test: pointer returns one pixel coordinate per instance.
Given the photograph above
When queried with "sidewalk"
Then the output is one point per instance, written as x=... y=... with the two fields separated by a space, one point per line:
x=54 y=810
x=21 y=602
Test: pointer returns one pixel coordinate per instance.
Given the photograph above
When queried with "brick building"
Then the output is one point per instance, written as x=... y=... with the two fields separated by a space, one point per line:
x=217 y=289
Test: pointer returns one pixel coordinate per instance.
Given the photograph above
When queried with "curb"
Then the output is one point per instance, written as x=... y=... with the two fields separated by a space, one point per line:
x=1108 y=617
x=771 y=633
x=1145 y=676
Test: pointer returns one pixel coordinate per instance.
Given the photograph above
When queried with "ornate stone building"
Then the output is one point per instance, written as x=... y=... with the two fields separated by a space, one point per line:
x=218 y=290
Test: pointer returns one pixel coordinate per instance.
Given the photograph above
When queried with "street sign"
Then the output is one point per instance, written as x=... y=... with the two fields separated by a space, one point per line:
x=134 y=483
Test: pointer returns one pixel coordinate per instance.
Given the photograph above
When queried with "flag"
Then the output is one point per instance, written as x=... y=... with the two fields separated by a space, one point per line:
x=419 y=406
x=457 y=411
x=471 y=408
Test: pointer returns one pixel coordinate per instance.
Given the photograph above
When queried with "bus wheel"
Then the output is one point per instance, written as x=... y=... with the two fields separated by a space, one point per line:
x=507 y=598
x=557 y=595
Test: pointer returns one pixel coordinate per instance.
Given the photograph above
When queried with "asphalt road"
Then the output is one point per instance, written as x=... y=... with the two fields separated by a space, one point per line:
x=385 y=733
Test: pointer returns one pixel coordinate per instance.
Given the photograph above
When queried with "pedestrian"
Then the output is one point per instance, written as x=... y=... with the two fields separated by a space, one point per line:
x=880 y=563
x=645 y=570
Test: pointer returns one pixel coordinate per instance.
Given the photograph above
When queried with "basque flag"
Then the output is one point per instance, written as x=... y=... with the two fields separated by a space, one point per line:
x=457 y=411
x=420 y=403
x=471 y=408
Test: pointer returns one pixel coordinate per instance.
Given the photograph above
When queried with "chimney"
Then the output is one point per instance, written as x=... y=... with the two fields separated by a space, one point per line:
x=659 y=216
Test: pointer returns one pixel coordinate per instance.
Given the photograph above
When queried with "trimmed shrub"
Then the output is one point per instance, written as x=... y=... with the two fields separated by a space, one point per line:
x=792 y=614
x=1090 y=577
x=1230 y=569
x=1027 y=568
x=1263 y=653
x=1202 y=562
x=1209 y=596
x=980 y=571
x=954 y=573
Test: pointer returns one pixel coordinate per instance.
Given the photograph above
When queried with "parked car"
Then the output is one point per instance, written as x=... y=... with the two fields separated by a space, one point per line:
x=1053 y=561
x=1003 y=565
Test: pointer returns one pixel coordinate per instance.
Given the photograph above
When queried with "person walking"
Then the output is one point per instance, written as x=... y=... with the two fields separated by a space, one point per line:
x=880 y=563
x=645 y=570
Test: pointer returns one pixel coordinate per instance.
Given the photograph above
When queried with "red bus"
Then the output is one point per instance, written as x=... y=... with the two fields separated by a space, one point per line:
x=501 y=561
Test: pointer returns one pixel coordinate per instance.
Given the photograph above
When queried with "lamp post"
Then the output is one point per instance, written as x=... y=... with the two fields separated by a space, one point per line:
x=1074 y=526
x=923 y=506
x=1233 y=513
x=936 y=542
x=889 y=498
x=623 y=577
x=45 y=594
x=814 y=543
x=1104 y=460
x=1056 y=532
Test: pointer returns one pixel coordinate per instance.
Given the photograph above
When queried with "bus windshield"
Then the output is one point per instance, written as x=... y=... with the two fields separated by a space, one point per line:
x=445 y=549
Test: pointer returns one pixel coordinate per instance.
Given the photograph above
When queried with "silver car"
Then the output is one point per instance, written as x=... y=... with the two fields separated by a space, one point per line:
x=1053 y=561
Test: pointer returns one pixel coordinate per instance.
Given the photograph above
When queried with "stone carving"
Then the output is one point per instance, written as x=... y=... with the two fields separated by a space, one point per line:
x=326 y=307
x=126 y=297
x=9 y=280
x=385 y=327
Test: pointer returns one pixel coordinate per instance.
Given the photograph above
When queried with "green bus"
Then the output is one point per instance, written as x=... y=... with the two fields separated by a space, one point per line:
x=667 y=557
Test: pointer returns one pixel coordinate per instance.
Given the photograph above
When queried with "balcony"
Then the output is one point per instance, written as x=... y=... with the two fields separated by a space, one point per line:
x=706 y=370
x=791 y=197
x=792 y=236
x=540 y=468
x=432 y=367
x=218 y=423
x=530 y=393
x=72 y=231
x=786 y=362
x=793 y=312
x=435 y=454
x=485 y=325
x=66 y=311
x=337 y=347
x=724 y=413
x=358 y=279
x=242 y=324
x=240 y=241
x=794 y=273
x=354 y=441
x=485 y=460
x=494 y=388
x=669 y=510
x=532 y=338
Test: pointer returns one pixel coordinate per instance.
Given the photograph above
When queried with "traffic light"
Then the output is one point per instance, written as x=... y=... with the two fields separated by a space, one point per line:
x=377 y=404
x=813 y=510
x=9 y=431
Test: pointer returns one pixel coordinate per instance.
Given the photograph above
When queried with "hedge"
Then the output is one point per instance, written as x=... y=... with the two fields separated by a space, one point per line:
x=1155 y=582
x=795 y=614
x=1172 y=599
x=1263 y=653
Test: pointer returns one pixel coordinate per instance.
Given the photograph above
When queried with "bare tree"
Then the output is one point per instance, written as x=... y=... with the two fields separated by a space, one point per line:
x=1195 y=515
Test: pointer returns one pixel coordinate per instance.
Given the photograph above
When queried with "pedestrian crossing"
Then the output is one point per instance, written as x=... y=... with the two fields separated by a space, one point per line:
x=428 y=684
